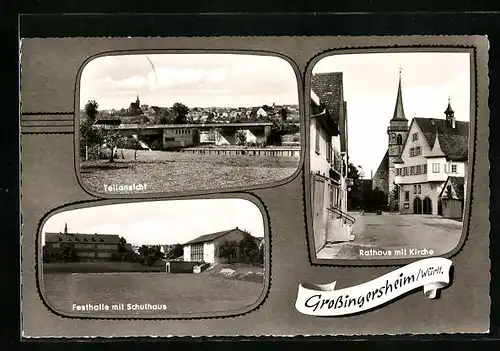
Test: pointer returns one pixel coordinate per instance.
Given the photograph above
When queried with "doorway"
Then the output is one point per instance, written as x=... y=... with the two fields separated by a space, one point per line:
x=417 y=206
x=319 y=205
x=427 y=206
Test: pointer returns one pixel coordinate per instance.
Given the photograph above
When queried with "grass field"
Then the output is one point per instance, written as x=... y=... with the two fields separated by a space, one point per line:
x=175 y=171
x=181 y=293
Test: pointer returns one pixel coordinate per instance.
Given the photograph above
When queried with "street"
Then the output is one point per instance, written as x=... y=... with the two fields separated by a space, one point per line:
x=387 y=236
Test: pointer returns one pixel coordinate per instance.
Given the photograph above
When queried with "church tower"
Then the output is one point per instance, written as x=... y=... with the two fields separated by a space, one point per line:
x=397 y=131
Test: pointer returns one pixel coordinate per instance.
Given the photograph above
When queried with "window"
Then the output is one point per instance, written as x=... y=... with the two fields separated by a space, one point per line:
x=407 y=195
x=106 y=247
x=329 y=151
x=406 y=171
x=414 y=189
x=412 y=152
x=445 y=168
x=435 y=168
x=399 y=139
x=453 y=168
x=414 y=136
x=331 y=196
x=55 y=245
x=419 y=189
x=197 y=252
x=412 y=170
x=424 y=171
x=418 y=151
x=419 y=170
x=84 y=246
x=317 y=141
x=398 y=171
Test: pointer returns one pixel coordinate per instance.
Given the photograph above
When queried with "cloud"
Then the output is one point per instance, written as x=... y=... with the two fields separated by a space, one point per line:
x=195 y=79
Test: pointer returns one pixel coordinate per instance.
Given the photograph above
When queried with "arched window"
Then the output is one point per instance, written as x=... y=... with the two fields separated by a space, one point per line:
x=399 y=139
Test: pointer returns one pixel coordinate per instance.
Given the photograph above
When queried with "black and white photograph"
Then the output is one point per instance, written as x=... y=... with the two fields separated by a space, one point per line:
x=389 y=141
x=179 y=122
x=174 y=258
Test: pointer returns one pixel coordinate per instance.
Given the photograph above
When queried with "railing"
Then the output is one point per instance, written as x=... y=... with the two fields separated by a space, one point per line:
x=342 y=214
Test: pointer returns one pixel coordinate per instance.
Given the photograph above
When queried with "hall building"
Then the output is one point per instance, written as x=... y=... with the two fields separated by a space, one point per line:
x=83 y=247
x=328 y=161
x=421 y=159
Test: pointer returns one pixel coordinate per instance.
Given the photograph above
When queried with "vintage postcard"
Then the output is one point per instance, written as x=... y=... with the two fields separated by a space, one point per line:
x=390 y=135
x=254 y=186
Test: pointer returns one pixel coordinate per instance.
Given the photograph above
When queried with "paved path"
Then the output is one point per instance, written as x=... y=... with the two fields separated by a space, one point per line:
x=384 y=236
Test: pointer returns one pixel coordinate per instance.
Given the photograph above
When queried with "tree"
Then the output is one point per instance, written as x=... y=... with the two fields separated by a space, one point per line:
x=180 y=112
x=374 y=200
x=355 y=194
x=228 y=249
x=395 y=196
x=240 y=137
x=175 y=251
x=284 y=113
x=90 y=137
x=91 y=109
x=68 y=254
x=122 y=248
x=112 y=139
x=210 y=117
x=248 y=249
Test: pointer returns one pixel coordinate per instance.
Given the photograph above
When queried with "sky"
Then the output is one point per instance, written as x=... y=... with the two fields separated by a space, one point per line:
x=196 y=80
x=370 y=88
x=161 y=222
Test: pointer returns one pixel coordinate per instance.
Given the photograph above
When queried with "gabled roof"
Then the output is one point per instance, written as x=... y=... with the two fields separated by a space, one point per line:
x=457 y=184
x=384 y=164
x=77 y=237
x=328 y=88
x=454 y=142
x=212 y=236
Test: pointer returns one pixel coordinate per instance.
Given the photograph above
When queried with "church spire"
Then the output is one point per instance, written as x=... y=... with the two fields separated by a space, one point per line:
x=450 y=114
x=399 y=112
x=65 y=228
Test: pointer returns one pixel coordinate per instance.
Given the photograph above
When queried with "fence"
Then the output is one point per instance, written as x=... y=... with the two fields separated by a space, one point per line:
x=293 y=152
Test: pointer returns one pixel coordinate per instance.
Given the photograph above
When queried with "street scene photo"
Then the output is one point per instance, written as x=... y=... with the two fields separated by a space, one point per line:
x=389 y=154
x=173 y=258
x=179 y=122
